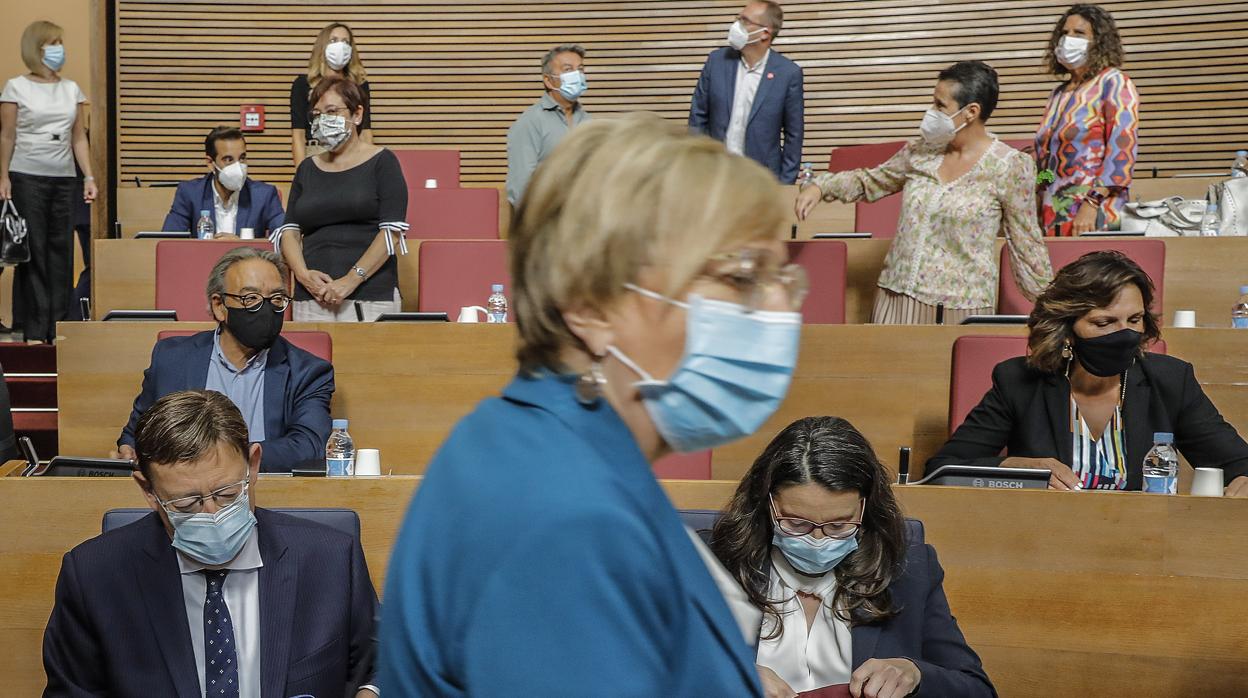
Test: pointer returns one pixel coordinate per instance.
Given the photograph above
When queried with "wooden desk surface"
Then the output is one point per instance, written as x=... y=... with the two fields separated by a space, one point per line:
x=403 y=386
x=1202 y=274
x=1061 y=594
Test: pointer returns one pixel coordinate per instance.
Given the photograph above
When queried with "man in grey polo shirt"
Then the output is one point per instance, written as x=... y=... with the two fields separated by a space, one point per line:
x=540 y=128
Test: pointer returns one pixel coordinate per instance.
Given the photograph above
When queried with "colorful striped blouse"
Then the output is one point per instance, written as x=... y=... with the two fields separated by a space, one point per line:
x=1100 y=464
x=1087 y=139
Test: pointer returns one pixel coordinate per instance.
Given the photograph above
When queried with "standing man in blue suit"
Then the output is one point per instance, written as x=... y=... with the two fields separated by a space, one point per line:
x=232 y=200
x=750 y=97
x=209 y=595
x=282 y=390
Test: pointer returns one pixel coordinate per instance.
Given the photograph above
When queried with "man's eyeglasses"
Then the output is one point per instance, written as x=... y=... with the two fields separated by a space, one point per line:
x=750 y=274
x=252 y=301
x=194 y=504
x=792 y=526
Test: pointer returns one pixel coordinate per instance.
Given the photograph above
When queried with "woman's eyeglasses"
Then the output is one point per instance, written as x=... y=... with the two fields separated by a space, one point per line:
x=792 y=526
x=749 y=272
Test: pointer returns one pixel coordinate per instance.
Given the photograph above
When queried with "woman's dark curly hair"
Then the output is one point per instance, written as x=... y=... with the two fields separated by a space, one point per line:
x=1105 y=48
x=828 y=451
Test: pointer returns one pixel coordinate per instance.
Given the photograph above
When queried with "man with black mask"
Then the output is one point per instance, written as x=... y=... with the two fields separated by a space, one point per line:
x=282 y=390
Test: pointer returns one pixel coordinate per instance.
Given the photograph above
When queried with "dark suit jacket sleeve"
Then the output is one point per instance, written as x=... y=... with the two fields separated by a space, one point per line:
x=571 y=597
x=985 y=432
x=147 y=396
x=699 y=108
x=362 y=659
x=309 y=425
x=272 y=217
x=794 y=128
x=949 y=666
x=1203 y=436
x=71 y=655
x=182 y=216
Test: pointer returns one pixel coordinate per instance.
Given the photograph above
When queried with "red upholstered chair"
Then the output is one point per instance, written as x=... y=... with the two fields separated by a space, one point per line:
x=315 y=342
x=182 y=268
x=684 y=466
x=456 y=273
x=825 y=264
x=880 y=217
x=1149 y=254
x=420 y=165
x=974 y=357
x=454 y=214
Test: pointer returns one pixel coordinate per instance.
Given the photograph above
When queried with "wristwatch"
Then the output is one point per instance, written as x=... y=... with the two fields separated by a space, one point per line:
x=1094 y=197
x=360 y=272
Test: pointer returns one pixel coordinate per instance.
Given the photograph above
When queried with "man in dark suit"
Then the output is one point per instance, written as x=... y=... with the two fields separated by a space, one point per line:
x=750 y=96
x=209 y=595
x=282 y=390
x=232 y=199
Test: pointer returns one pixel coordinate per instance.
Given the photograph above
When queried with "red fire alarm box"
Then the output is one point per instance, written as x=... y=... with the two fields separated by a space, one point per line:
x=251 y=117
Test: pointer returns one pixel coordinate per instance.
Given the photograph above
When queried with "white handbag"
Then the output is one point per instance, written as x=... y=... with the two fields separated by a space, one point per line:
x=1177 y=216
x=1232 y=198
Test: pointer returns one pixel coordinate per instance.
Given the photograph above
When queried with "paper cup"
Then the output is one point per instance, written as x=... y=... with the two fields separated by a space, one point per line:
x=368 y=461
x=1184 y=318
x=247 y=234
x=468 y=313
x=1207 y=482
x=431 y=184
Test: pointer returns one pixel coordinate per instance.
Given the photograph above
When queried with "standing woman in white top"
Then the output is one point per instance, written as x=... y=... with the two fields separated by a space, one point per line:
x=42 y=132
x=849 y=591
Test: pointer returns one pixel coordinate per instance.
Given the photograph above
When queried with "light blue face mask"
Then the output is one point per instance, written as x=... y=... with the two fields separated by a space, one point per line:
x=54 y=56
x=736 y=369
x=572 y=85
x=814 y=557
x=214 y=539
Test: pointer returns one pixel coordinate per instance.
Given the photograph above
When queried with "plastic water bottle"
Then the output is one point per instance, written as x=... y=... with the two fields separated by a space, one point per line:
x=808 y=174
x=496 y=304
x=1240 y=168
x=204 y=228
x=1209 y=221
x=1239 y=312
x=339 y=451
x=1161 y=465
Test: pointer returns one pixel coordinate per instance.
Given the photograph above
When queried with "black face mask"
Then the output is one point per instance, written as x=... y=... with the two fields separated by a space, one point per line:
x=255 y=330
x=1107 y=355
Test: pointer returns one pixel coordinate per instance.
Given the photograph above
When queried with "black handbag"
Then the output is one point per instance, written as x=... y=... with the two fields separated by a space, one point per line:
x=14 y=245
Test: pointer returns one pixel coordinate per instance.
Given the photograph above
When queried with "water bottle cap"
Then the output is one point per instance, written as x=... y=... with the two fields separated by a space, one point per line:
x=1242 y=153
x=1211 y=206
x=1243 y=290
x=1163 y=437
x=204 y=212
x=496 y=288
x=340 y=424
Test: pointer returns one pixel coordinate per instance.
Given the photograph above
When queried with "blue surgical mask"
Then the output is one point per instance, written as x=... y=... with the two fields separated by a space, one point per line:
x=735 y=372
x=54 y=56
x=811 y=556
x=214 y=539
x=572 y=85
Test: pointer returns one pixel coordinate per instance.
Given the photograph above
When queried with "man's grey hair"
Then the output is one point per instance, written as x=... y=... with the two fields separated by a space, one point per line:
x=561 y=48
x=216 y=279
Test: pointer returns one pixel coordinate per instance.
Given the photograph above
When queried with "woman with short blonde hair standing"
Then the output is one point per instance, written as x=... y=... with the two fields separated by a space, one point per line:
x=333 y=55
x=43 y=132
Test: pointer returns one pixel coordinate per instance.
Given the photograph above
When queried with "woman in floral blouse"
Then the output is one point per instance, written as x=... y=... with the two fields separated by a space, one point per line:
x=1086 y=145
x=962 y=187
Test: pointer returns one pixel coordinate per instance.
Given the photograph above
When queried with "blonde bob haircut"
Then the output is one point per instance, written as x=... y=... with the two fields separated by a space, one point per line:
x=318 y=67
x=617 y=196
x=36 y=36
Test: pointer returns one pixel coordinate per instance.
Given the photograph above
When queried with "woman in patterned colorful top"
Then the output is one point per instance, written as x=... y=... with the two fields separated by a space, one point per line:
x=1086 y=145
x=1087 y=399
x=962 y=188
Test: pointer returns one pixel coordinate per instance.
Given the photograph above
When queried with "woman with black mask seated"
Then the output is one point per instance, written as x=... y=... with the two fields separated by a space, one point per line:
x=1087 y=399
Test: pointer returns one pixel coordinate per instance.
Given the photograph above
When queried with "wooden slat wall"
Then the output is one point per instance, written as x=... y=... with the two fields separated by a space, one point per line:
x=455 y=74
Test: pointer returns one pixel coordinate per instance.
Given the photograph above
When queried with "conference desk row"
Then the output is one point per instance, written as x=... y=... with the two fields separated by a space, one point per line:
x=1201 y=274
x=1061 y=594
x=404 y=385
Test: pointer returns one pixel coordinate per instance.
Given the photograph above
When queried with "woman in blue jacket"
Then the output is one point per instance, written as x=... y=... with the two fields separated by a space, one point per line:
x=656 y=312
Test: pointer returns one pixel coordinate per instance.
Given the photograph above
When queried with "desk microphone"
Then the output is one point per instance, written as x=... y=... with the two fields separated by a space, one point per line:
x=793 y=232
x=903 y=466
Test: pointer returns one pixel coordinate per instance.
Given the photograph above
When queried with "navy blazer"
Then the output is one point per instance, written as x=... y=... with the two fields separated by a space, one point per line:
x=259 y=206
x=778 y=108
x=297 y=390
x=119 y=626
x=540 y=557
x=1027 y=413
